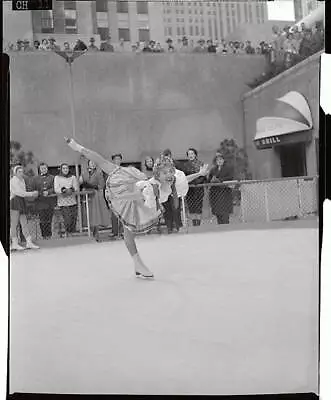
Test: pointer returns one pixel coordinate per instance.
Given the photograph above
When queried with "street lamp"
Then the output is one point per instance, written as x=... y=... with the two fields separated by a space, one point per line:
x=69 y=57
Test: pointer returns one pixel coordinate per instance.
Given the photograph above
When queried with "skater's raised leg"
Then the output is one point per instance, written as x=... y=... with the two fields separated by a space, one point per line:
x=140 y=267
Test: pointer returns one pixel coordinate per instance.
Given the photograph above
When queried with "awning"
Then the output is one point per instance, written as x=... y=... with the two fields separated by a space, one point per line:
x=292 y=123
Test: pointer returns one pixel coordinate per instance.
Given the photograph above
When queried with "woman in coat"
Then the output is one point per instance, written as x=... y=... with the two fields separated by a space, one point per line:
x=65 y=185
x=46 y=202
x=92 y=178
x=195 y=195
x=18 y=194
x=220 y=197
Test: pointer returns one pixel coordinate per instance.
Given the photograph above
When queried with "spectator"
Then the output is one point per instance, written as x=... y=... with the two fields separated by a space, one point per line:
x=171 y=47
x=211 y=48
x=147 y=166
x=220 y=197
x=305 y=45
x=223 y=47
x=26 y=45
x=249 y=49
x=158 y=48
x=66 y=46
x=92 y=178
x=80 y=46
x=65 y=185
x=296 y=34
x=184 y=48
x=92 y=46
x=168 y=153
x=117 y=227
x=36 y=45
x=52 y=46
x=107 y=46
x=19 y=45
x=317 y=40
x=147 y=48
x=122 y=43
x=44 y=45
x=291 y=45
x=18 y=209
x=195 y=194
x=200 y=48
x=45 y=204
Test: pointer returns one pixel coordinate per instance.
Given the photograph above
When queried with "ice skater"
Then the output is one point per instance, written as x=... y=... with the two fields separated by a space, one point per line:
x=136 y=200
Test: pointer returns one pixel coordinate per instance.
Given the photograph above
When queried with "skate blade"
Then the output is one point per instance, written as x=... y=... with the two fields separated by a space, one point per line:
x=142 y=276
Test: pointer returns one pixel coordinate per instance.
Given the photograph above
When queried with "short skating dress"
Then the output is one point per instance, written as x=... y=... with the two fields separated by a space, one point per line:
x=139 y=215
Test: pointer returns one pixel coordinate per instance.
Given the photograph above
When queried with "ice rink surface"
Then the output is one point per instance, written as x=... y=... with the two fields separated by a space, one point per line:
x=232 y=312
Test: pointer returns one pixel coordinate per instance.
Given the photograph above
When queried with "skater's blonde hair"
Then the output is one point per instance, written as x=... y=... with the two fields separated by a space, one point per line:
x=163 y=163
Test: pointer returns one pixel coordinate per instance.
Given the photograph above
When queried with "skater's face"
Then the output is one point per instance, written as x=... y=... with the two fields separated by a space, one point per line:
x=43 y=169
x=166 y=175
x=219 y=161
x=65 y=169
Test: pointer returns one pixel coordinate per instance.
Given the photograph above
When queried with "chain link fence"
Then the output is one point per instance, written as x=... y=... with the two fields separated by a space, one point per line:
x=206 y=204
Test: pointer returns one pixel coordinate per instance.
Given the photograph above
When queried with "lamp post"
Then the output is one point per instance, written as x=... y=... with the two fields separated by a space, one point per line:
x=69 y=57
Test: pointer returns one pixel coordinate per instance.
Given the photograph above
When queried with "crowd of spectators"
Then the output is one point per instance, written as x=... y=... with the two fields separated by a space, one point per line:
x=44 y=193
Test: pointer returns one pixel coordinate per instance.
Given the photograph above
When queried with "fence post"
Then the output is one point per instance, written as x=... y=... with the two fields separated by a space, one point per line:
x=242 y=212
x=266 y=200
x=184 y=215
x=300 y=199
x=87 y=215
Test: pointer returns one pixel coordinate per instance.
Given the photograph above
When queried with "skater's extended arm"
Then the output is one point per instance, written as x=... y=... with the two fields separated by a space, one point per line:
x=107 y=166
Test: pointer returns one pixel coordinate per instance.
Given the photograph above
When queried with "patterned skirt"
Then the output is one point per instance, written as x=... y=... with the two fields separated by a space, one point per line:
x=18 y=204
x=132 y=213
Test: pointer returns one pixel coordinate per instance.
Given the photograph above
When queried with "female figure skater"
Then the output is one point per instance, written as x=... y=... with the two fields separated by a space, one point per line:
x=135 y=199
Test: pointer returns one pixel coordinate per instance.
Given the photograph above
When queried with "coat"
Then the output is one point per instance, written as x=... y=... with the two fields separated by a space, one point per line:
x=43 y=183
x=220 y=197
x=98 y=211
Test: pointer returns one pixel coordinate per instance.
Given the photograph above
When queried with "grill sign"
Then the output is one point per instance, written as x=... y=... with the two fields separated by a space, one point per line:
x=267 y=142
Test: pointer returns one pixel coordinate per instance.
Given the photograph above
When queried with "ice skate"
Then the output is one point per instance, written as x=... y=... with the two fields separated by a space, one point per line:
x=15 y=246
x=31 y=245
x=141 y=270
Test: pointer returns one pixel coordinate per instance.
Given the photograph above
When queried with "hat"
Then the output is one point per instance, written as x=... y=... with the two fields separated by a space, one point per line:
x=51 y=40
x=169 y=40
x=92 y=39
x=16 y=168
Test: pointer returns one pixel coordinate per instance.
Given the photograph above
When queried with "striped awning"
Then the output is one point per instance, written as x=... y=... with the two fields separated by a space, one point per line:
x=291 y=123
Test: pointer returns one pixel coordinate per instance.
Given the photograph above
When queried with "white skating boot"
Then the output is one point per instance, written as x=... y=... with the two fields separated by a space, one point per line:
x=15 y=245
x=140 y=268
x=30 y=244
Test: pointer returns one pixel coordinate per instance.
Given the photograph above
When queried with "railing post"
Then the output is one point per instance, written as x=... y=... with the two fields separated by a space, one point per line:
x=242 y=209
x=266 y=200
x=185 y=225
x=87 y=215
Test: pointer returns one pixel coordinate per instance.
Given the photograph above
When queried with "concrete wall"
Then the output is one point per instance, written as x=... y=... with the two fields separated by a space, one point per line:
x=303 y=78
x=129 y=103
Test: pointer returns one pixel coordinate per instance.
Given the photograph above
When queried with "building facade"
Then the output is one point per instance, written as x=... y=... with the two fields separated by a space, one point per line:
x=131 y=21
x=210 y=19
x=302 y=8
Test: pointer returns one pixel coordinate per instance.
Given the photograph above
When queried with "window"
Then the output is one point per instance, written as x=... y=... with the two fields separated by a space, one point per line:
x=202 y=31
x=195 y=12
x=124 y=33
x=144 y=35
x=101 y=5
x=142 y=7
x=122 y=6
x=70 y=20
x=104 y=33
x=190 y=11
x=239 y=13
x=210 y=29
x=191 y=30
x=170 y=31
x=262 y=13
x=47 y=23
x=178 y=30
x=258 y=13
x=246 y=12
x=250 y=13
x=197 y=30
x=183 y=31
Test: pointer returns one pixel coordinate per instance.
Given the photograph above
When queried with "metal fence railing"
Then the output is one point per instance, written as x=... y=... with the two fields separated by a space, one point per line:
x=209 y=204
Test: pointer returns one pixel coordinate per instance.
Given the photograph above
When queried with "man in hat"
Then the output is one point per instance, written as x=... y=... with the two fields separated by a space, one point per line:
x=184 y=48
x=92 y=46
x=26 y=45
x=107 y=46
x=211 y=48
x=80 y=46
x=19 y=45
